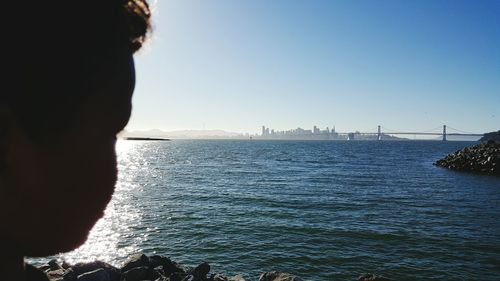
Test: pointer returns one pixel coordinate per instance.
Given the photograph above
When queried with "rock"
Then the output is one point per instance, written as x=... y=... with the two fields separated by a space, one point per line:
x=158 y=272
x=482 y=158
x=140 y=267
x=177 y=276
x=66 y=265
x=372 y=277
x=81 y=268
x=217 y=277
x=70 y=275
x=168 y=265
x=137 y=274
x=189 y=278
x=278 y=276
x=137 y=260
x=236 y=278
x=54 y=265
x=44 y=267
x=95 y=275
x=201 y=271
x=57 y=274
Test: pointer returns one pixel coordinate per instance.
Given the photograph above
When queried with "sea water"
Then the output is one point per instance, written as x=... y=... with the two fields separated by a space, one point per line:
x=323 y=210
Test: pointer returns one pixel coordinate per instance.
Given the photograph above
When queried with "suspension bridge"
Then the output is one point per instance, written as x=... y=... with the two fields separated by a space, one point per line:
x=444 y=133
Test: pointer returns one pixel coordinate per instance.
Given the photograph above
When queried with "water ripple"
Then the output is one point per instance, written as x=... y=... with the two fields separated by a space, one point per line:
x=322 y=210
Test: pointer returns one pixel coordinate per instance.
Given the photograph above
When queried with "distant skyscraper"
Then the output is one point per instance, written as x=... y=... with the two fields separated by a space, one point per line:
x=263 y=130
x=315 y=130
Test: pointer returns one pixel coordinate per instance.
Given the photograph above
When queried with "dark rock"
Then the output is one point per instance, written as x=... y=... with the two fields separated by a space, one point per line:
x=177 y=276
x=201 y=271
x=189 y=278
x=81 y=268
x=278 y=276
x=137 y=274
x=217 y=277
x=95 y=275
x=66 y=265
x=70 y=275
x=372 y=277
x=139 y=267
x=54 y=265
x=168 y=265
x=137 y=260
x=158 y=272
x=57 y=274
x=482 y=158
x=44 y=267
x=235 y=278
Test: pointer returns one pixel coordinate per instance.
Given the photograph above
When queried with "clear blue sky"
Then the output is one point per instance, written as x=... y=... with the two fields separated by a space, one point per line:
x=238 y=65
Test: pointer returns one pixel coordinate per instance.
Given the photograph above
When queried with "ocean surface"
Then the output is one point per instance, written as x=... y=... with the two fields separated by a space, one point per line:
x=323 y=210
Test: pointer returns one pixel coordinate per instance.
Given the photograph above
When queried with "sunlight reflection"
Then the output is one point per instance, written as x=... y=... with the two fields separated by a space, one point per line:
x=113 y=237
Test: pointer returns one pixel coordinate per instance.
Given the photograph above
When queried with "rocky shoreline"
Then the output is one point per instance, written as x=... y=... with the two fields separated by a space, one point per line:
x=140 y=267
x=483 y=158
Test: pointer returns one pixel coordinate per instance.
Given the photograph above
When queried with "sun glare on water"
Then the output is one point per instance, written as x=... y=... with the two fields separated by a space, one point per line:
x=113 y=237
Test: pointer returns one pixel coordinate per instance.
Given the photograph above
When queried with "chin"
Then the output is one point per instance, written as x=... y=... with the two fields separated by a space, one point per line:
x=58 y=243
x=54 y=246
x=59 y=239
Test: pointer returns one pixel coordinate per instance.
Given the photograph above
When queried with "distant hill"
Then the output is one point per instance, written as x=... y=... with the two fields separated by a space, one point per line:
x=182 y=134
x=491 y=136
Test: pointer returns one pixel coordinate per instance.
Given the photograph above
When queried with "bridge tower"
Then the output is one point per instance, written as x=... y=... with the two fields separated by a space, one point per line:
x=379 y=134
x=444 y=132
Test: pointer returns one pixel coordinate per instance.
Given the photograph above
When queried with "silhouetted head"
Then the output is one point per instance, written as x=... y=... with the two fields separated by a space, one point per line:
x=67 y=94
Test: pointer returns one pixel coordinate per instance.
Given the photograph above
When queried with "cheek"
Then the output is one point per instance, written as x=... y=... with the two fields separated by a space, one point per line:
x=93 y=173
x=73 y=183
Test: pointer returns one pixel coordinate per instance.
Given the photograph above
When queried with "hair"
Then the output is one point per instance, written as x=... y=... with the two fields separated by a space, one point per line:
x=55 y=48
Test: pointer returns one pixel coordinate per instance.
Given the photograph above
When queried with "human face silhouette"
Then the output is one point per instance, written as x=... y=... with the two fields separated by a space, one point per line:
x=54 y=194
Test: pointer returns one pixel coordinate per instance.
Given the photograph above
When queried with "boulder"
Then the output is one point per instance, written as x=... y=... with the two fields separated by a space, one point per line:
x=372 y=277
x=57 y=274
x=201 y=271
x=158 y=272
x=95 y=275
x=137 y=260
x=219 y=277
x=65 y=265
x=189 y=278
x=176 y=276
x=168 y=265
x=482 y=158
x=137 y=274
x=278 y=276
x=54 y=265
x=81 y=268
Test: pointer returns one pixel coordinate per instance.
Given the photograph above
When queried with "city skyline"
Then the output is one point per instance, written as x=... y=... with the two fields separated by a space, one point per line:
x=237 y=65
x=381 y=133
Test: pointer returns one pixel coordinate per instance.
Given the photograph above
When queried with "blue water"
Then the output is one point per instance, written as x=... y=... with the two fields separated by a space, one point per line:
x=324 y=210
